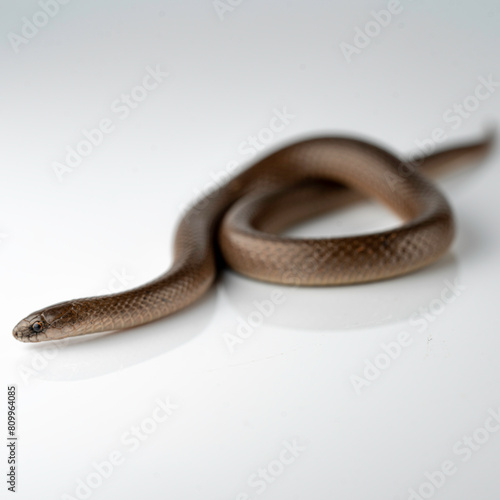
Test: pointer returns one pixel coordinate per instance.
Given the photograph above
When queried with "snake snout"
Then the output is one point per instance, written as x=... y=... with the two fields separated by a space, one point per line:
x=22 y=331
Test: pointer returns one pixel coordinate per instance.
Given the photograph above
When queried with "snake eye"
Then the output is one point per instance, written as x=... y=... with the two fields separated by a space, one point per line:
x=36 y=327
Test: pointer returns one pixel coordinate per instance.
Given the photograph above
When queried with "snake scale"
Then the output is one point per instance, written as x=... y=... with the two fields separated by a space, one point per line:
x=239 y=223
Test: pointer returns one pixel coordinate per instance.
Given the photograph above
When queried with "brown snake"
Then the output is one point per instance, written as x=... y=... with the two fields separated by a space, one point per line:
x=245 y=215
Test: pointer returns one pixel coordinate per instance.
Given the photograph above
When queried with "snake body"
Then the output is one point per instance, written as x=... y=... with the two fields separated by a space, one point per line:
x=240 y=222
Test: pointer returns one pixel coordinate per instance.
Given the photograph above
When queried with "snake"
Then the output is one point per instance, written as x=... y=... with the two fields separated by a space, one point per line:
x=240 y=224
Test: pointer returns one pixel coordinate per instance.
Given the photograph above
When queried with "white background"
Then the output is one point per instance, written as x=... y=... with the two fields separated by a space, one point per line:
x=292 y=378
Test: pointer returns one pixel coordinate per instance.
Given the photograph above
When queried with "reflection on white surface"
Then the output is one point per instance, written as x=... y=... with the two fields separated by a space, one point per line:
x=299 y=309
x=100 y=354
x=343 y=307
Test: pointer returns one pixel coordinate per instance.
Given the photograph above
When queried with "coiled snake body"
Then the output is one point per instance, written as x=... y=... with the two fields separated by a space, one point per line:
x=242 y=218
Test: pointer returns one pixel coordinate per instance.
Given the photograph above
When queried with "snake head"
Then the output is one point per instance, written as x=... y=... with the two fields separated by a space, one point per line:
x=47 y=324
x=32 y=329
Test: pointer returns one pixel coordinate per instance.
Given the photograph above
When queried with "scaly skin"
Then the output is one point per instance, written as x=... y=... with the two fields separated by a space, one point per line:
x=298 y=181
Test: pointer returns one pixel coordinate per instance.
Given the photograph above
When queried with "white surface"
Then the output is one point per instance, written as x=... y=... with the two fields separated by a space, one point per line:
x=292 y=377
